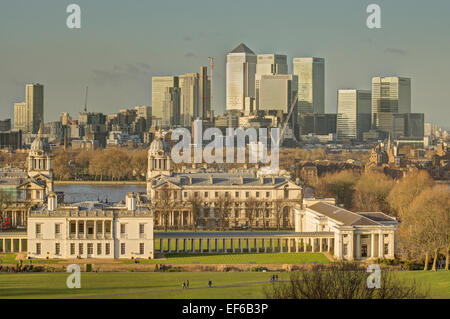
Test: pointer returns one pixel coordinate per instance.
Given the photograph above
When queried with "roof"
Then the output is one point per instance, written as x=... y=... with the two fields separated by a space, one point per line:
x=242 y=48
x=378 y=216
x=221 y=180
x=342 y=215
x=247 y=234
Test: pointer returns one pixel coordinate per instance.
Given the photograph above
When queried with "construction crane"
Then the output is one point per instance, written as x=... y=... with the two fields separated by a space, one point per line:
x=286 y=121
x=85 y=100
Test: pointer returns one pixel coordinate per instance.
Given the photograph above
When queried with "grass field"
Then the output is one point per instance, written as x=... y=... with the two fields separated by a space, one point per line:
x=236 y=285
x=266 y=258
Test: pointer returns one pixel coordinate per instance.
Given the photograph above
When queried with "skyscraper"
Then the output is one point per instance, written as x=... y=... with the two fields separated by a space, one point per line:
x=189 y=97
x=353 y=114
x=390 y=95
x=171 y=107
x=204 y=106
x=159 y=85
x=241 y=70
x=311 y=84
x=29 y=115
x=276 y=92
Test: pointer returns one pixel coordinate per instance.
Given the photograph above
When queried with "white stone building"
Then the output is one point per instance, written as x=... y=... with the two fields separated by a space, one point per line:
x=90 y=230
x=357 y=236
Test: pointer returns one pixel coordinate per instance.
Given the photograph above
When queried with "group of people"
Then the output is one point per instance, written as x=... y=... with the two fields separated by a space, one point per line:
x=18 y=268
x=273 y=278
x=185 y=284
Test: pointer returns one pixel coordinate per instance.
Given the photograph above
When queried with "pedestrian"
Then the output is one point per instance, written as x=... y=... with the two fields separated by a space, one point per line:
x=183 y=285
x=209 y=283
x=276 y=277
x=187 y=283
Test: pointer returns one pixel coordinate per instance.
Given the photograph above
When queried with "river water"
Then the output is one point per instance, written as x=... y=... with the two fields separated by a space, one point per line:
x=86 y=192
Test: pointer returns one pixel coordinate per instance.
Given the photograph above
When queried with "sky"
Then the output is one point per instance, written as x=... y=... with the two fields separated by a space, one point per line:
x=122 y=44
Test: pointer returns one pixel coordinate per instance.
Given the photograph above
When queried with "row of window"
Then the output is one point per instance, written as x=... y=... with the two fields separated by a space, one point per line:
x=90 y=249
x=227 y=194
x=89 y=229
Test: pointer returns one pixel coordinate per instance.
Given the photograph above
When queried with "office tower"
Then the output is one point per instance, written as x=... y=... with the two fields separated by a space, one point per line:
x=276 y=92
x=159 y=86
x=317 y=124
x=311 y=84
x=353 y=114
x=414 y=124
x=268 y=64
x=241 y=70
x=204 y=105
x=427 y=129
x=29 y=115
x=171 y=107
x=5 y=125
x=189 y=98
x=390 y=95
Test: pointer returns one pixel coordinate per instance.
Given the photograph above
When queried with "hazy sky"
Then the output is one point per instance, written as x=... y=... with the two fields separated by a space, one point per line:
x=122 y=44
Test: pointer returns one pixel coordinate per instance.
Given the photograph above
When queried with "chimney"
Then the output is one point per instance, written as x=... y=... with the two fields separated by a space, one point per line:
x=273 y=180
x=261 y=178
x=131 y=201
x=211 y=179
x=52 y=202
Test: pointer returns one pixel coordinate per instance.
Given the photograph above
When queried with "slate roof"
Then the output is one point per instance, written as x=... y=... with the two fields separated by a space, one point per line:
x=342 y=215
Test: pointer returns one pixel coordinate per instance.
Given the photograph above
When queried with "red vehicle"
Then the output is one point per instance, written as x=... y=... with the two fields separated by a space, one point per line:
x=6 y=224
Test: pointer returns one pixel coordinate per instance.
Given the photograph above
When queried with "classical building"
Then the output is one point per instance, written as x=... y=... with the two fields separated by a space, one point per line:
x=356 y=235
x=186 y=200
x=90 y=230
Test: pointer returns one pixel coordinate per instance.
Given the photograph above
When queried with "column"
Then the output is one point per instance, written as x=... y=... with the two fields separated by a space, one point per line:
x=168 y=245
x=216 y=242
x=193 y=245
x=85 y=230
x=381 y=244
x=372 y=245
x=77 y=230
x=296 y=245
x=4 y=245
x=185 y=245
x=320 y=244
x=103 y=229
x=232 y=245
x=241 y=245
x=391 y=245
x=201 y=245
x=209 y=245
x=224 y=241
x=271 y=245
x=12 y=245
x=20 y=245
x=177 y=247
x=161 y=245
x=351 y=249
x=313 y=240
x=257 y=244
x=95 y=229
x=289 y=244
x=265 y=244
x=328 y=245
x=358 y=246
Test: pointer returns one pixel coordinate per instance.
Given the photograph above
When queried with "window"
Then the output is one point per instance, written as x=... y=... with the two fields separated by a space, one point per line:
x=107 y=248
x=81 y=228
x=107 y=227
x=72 y=249
x=57 y=229
x=236 y=194
x=257 y=194
x=73 y=228
x=216 y=194
x=345 y=250
x=247 y=194
x=38 y=248
x=99 y=249
x=227 y=194
x=80 y=249
x=267 y=194
x=141 y=228
x=38 y=228
x=141 y=248
x=99 y=227
x=122 y=248
x=206 y=194
x=185 y=195
x=90 y=249
x=364 y=250
x=57 y=248
x=386 y=249
x=122 y=228
x=195 y=194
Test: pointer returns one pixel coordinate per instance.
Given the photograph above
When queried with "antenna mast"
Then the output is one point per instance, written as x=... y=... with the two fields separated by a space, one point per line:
x=85 y=100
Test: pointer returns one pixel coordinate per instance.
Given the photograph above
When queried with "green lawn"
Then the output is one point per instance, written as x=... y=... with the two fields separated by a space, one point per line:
x=166 y=285
x=8 y=258
x=237 y=258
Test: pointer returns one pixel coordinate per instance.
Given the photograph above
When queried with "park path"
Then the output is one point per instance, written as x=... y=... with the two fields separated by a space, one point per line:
x=172 y=290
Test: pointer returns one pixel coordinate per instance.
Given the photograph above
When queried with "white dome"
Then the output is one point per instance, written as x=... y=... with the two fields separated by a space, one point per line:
x=159 y=147
x=40 y=144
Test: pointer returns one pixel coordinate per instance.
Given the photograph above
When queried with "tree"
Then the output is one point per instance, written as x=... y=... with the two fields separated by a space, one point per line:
x=339 y=185
x=278 y=212
x=222 y=207
x=196 y=204
x=5 y=200
x=371 y=191
x=164 y=203
x=251 y=208
x=425 y=225
x=342 y=281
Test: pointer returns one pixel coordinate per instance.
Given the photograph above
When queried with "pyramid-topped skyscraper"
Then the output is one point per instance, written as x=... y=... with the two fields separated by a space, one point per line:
x=241 y=70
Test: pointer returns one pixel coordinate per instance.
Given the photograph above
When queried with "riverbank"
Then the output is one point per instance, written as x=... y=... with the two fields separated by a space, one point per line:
x=115 y=183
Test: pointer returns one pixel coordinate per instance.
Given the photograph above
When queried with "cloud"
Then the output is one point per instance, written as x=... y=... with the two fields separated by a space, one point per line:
x=189 y=55
x=396 y=51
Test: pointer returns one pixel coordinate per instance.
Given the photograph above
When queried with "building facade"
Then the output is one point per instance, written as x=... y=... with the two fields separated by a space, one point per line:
x=311 y=84
x=354 y=114
x=29 y=115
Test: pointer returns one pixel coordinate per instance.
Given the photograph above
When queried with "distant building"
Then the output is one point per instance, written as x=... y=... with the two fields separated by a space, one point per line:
x=240 y=77
x=11 y=139
x=29 y=115
x=5 y=125
x=171 y=107
x=317 y=124
x=159 y=90
x=276 y=92
x=390 y=96
x=354 y=114
x=311 y=84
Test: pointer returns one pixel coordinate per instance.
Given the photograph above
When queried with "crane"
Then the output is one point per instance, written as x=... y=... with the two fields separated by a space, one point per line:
x=286 y=121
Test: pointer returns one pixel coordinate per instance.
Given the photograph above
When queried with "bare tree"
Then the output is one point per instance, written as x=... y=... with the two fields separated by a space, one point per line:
x=196 y=204
x=278 y=212
x=222 y=208
x=5 y=200
x=343 y=281
x=165 y=204
x=251 y=209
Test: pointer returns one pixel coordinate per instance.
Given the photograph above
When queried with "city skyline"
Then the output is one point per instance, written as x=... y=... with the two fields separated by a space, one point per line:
x=111 y=69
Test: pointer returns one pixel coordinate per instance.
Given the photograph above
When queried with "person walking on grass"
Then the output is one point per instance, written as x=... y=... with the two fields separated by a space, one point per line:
x=187 y=283
x=210 y=284
x=183 y=285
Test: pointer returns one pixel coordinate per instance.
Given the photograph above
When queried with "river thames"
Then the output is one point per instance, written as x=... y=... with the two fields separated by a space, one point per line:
x=88 y=192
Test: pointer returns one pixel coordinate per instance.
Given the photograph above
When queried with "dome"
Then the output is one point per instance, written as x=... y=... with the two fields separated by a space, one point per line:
x=40 y=144
x=159 y=147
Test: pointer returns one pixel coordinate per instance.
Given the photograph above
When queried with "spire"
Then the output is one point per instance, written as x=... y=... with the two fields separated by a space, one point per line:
x=40 y=129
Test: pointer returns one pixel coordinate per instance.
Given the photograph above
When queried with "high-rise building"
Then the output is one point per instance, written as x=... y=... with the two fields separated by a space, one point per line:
x=241 y=70
x=159 y=86
x=390 y=95
x=276 y=92
x=311 y=84
x=189 y=98
x=353 y=114
x=204 y=103
x=269 y=64
x=29 y=115
x=317 y=124
x=171 y=107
